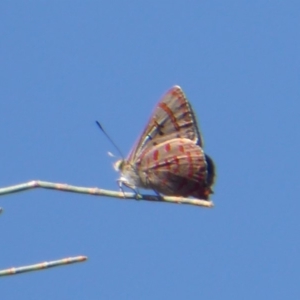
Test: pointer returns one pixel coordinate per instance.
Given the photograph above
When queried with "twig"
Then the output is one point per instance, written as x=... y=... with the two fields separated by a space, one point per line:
x=43 y=265
x=101 y=192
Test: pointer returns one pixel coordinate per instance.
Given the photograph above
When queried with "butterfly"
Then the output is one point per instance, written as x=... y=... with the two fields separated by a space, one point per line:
x=168 y=157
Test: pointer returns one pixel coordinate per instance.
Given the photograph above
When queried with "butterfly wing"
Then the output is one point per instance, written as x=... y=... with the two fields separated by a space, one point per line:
x=176 y=167
x=172 y=118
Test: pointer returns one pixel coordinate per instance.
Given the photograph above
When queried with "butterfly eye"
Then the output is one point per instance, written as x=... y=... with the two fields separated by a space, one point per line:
x=118 y=165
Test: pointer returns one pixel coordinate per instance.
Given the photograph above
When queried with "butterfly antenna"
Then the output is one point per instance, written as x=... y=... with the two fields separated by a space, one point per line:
x=110 y=139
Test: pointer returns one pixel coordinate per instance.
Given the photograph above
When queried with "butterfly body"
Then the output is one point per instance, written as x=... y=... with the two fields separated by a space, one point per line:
x=168 y=158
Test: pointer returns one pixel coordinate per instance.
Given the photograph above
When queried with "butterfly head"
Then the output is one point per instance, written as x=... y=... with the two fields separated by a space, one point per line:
x=129 y=175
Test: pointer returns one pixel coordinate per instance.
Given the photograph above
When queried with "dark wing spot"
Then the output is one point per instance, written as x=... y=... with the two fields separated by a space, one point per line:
x=159 y=127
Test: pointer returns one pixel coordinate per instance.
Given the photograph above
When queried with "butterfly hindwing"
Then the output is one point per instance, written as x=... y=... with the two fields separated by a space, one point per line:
x=175 y=167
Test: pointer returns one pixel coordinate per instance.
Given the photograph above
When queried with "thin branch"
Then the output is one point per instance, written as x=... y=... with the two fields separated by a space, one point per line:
x=101 y=192
x=43 y=265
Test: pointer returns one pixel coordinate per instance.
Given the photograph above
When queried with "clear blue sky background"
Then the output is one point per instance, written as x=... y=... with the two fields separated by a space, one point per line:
x=64 y=64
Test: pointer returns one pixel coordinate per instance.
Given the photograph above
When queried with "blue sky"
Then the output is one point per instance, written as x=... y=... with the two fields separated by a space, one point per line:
x=65 y=64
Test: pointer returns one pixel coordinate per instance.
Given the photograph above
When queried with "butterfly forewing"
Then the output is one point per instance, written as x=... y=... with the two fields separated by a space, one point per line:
x=172 y=118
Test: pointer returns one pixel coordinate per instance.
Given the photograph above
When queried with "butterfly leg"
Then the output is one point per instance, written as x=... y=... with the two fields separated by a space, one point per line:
x=138 y=196
x=120 y=184
x=159 y=196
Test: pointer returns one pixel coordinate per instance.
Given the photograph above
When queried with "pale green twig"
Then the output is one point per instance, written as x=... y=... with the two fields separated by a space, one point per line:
x=43 y=265
x=101 y=192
